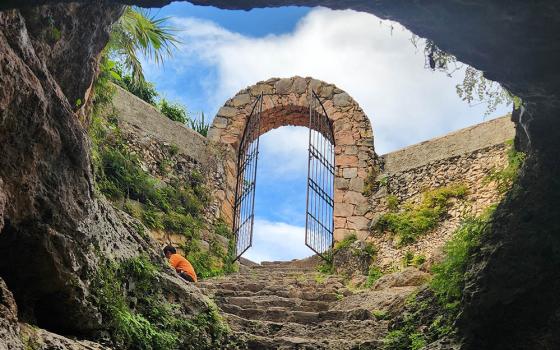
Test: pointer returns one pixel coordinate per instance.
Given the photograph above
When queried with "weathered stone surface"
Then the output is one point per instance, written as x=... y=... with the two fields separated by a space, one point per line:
x=9 y=327
x=349 y=173
x=410 y=276
x=241 y=100
x=352 y=260
x=342 y=100
x=227 y=112
x=283 y=86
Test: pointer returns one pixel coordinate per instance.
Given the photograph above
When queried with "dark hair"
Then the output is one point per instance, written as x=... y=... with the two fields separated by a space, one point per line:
x=169 y=249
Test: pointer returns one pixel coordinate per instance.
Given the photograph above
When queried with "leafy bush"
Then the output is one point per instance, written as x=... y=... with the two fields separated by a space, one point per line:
x=222 y=229
x=374 y=274
x=411 y=259
x=346 y=242
x=174 y=111
x=416 y=220
x=144 y=90
x=150 y=322
x=448 y=276
x=180 y=223
x=505 y=178
x=392 y=202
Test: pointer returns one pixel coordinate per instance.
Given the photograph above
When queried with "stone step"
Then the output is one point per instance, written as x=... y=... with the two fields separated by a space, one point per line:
x=255 y=342
x=265 y=301
x=282 y=314
x=305 y=295
x=331 y=329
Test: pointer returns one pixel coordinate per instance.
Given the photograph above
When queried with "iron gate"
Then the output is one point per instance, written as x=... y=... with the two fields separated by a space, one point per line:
x=319 y=220
x=244 y=206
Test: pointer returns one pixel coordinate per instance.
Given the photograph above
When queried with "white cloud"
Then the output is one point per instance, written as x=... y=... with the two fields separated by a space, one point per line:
x=284 y=150
x=277 y=241
x=378 y=66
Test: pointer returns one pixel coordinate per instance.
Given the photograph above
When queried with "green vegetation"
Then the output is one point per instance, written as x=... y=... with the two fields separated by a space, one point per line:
x=174 y=111
x=374 y=273
x=370 y=184
x=411 y=259
x=506 y=177
x=448 y=276
x=199 y=125
x=430 y=314
x=424 y=321
x=346 y=242
x=137 y=316
x=173 y=206
x=415 y=220
x=392 y=202
x=145 y=91
x=136 y=32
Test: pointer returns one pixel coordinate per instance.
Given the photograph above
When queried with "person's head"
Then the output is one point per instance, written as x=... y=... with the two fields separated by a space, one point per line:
x=169 y=250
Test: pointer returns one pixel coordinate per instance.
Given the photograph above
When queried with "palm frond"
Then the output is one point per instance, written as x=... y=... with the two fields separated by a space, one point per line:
x=137 y=32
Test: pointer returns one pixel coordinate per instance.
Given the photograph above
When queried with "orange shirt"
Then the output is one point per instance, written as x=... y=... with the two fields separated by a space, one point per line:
x=179 y=263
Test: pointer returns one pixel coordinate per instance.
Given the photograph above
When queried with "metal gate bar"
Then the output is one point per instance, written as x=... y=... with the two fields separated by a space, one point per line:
x=244 y=205
x=319 y=219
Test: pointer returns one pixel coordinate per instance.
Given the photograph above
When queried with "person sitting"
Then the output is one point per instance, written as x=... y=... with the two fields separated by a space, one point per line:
x=180 y=264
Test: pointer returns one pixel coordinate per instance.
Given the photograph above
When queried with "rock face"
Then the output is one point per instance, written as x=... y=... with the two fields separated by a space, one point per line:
x=288 y=305
x=54 y=229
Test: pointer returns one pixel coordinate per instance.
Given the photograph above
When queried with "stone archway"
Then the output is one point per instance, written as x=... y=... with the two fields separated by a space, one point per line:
x=286 y=102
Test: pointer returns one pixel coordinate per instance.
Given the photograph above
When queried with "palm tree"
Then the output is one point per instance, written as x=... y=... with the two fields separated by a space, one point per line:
x=138 y=32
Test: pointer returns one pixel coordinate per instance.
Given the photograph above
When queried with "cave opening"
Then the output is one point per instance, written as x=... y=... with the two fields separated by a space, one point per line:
x=32 y=268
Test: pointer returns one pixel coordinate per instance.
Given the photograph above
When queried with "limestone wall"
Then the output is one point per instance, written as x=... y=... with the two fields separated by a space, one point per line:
x=169 y=149
x=466 y=156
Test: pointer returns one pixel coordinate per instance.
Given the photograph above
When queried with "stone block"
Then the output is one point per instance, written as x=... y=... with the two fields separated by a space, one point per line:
x=345 y=160
x=349 y=173
x=340 y=234
x=343 y=209
x=220 y=122
x=241 y=100
x=300 y=85
x=341 y=184
x=356 y=184
x=358 y=223
x=353 y=197
x=283 y=86
x=261 y=88
x=339 y=222
x=342 y=100
x=226 y=111
x=326 y=91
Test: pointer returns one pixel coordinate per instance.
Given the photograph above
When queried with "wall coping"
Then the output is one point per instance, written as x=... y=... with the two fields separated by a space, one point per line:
x=463 y=141
x=146 y=119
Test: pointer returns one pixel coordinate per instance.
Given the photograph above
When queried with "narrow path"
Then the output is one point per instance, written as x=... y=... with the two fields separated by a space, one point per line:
x=288 y=305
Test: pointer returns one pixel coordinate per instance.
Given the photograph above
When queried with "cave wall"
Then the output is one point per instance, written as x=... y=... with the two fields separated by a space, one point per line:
x=511 y=299
x=55 y=230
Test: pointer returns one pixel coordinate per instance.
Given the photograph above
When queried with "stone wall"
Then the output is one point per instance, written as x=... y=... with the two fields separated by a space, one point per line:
x=465 y=157
x=169 y=149
x=287 y=102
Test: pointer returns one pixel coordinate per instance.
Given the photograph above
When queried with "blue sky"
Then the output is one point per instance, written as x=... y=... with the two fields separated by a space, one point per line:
x=222 y=52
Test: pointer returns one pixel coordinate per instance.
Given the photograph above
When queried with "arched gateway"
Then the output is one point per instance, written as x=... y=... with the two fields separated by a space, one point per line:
x=341 y=155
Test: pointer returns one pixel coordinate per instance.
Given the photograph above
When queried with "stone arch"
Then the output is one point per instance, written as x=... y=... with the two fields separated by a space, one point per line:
x=286 y=103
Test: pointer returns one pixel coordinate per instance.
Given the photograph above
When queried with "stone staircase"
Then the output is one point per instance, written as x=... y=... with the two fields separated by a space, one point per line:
x=288 y=305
